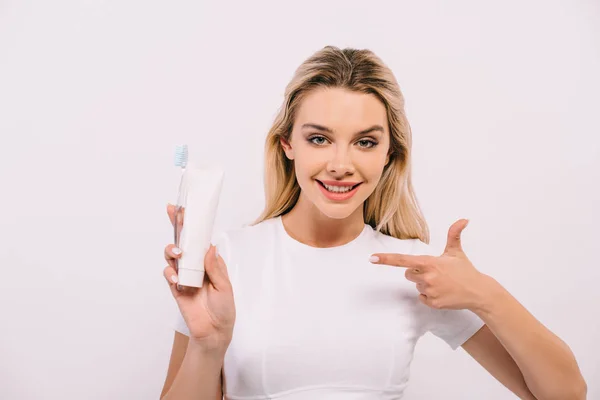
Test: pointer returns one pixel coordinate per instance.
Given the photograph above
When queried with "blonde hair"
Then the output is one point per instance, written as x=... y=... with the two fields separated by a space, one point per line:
x=392 y=208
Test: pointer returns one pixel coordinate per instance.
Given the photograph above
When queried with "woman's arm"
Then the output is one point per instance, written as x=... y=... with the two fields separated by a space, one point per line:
x=199 y=376
x=451 y=281
x=546 y=362
x=485 y=348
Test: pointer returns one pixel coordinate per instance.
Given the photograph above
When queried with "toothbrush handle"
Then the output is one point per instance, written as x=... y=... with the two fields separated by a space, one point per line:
x=178 y=226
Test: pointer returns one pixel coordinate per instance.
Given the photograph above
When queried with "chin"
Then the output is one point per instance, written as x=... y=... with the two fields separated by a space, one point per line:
x=338 y=211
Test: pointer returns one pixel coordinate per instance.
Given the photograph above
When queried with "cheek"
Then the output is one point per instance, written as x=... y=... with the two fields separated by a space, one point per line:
x=304 y=173
x=372 y=167
x=309 y=163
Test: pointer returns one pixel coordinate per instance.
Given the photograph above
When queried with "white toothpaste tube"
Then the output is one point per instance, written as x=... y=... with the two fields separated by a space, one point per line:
x=196 y=208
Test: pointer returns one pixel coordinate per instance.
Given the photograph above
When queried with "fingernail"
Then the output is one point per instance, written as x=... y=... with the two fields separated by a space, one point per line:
x=373 y=259
x=174 y=278
x=176 y=251
x=216 y=252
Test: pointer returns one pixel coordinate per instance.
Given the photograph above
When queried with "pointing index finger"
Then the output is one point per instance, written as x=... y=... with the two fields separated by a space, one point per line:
x=400 y=260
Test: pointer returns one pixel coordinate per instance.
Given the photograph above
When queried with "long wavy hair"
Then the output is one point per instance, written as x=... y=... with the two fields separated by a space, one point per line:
x=392 y=208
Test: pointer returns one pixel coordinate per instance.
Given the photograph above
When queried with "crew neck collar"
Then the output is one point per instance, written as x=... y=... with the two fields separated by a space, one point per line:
x=297 y=244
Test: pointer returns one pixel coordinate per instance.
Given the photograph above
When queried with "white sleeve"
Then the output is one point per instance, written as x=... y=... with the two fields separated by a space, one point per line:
x=221 y=241
x=179 y=323
x=452 y=326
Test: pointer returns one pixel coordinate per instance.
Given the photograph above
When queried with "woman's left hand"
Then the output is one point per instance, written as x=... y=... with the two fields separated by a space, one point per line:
x=449 y=281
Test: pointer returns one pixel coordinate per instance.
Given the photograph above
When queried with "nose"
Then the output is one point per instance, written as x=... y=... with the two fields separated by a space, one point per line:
x=340 y=163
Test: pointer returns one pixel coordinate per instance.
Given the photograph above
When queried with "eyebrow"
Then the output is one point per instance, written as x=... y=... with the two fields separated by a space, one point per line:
x=325 y=129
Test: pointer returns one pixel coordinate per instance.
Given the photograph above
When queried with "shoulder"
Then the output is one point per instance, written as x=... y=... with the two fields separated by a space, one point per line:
x=246 y=244
x=250 y=234
x=244 y=237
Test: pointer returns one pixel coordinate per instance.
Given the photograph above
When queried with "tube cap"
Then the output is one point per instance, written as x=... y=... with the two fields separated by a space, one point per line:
x=190 y=277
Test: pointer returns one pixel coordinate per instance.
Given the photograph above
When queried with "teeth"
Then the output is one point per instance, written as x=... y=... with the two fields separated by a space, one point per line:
x=338 y=189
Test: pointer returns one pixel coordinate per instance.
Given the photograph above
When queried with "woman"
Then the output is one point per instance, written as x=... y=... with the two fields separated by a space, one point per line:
x=334 y=283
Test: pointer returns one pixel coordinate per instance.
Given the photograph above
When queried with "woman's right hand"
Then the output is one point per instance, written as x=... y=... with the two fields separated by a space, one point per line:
x=209 y=311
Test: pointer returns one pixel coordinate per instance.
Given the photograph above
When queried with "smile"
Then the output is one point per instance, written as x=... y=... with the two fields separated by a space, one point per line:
x=339 y=191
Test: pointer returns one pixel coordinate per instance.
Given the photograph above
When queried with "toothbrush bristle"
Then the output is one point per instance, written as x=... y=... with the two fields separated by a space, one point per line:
x=181 y=156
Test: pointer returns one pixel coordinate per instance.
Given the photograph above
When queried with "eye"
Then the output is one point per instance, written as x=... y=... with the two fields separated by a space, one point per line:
x=318 y=140
x=367 y=143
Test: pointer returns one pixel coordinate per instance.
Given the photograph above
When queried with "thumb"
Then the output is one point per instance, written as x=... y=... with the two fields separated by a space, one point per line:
x=453 y=244
x=215 y=271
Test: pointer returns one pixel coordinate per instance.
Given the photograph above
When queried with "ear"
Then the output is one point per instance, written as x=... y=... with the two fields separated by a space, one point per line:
x=287 y=148
x=388 y=158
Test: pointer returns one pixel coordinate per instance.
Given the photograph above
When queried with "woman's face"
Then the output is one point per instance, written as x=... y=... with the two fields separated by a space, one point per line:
x=339 y=138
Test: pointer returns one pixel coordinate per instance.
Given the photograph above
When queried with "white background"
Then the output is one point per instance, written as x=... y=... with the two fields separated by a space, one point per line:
x=94 y=95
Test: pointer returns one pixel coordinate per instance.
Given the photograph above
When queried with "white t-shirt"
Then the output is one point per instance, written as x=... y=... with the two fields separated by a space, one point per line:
x=324 y=323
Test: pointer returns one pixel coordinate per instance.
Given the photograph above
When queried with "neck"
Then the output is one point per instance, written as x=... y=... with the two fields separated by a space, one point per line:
x=307 y=224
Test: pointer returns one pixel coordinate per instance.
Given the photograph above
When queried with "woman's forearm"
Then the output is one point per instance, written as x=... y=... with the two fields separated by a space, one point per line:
x=199 y=376
x=546 y=362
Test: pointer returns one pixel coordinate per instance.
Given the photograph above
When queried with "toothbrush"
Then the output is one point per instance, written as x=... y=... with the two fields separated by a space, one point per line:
x=181 y=160
x=181 y=156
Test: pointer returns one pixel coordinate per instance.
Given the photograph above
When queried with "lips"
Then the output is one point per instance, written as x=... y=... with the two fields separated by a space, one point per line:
x=339 y=196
